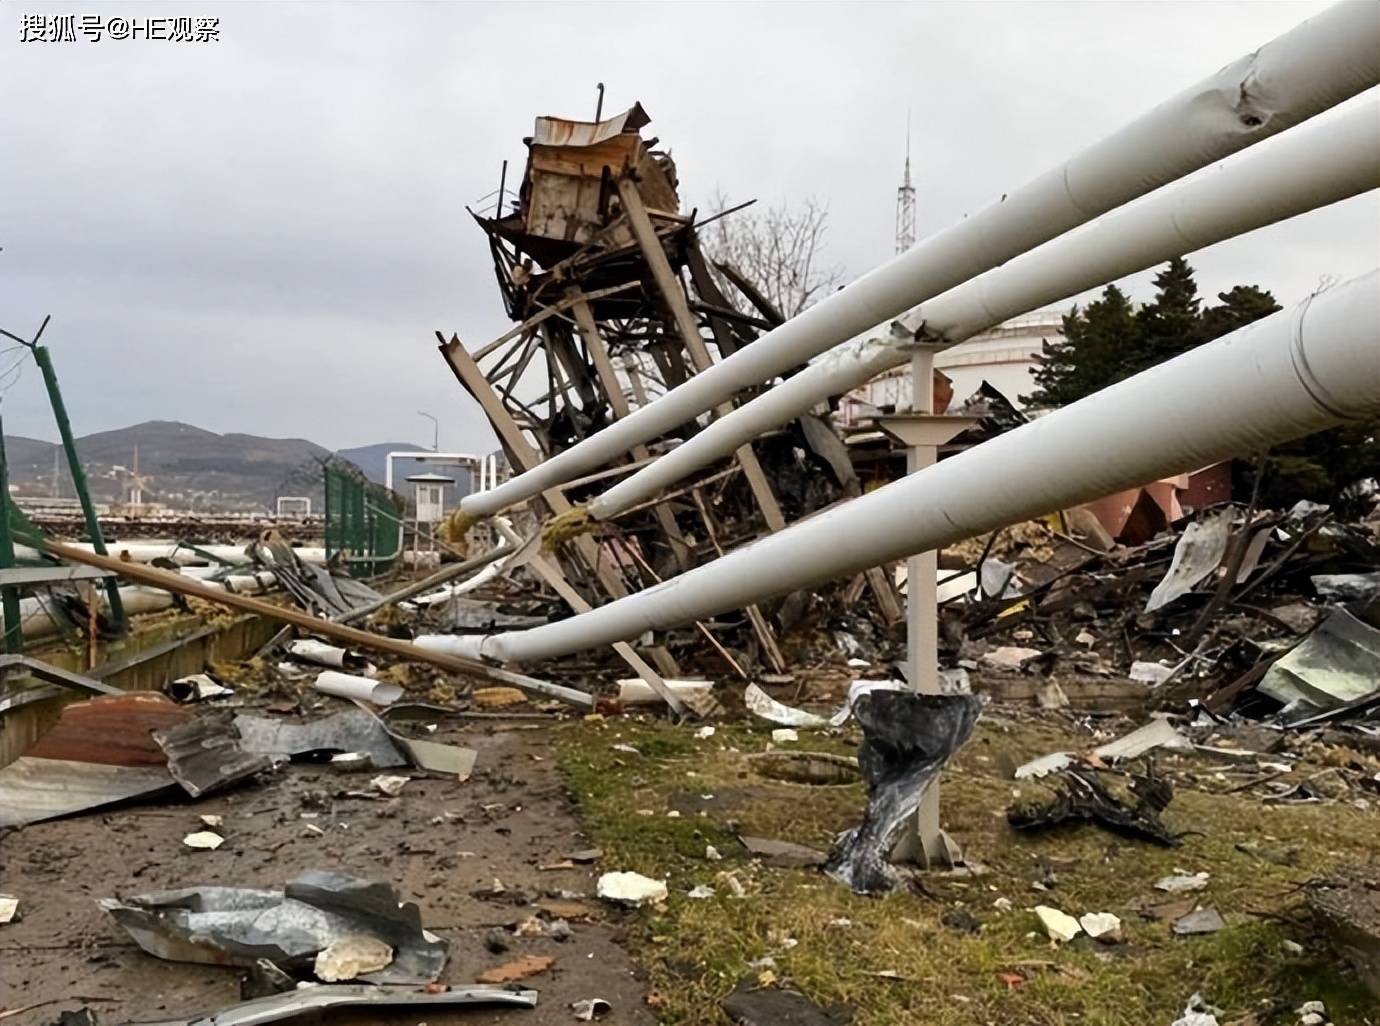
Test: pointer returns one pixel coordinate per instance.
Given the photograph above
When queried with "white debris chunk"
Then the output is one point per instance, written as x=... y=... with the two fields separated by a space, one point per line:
x=701 y=891
x=632 y=889
x=204 y=840
x=1182 y=883
x=761 y=704
x=1010 y=657
x=389 y=785
x=348 y=958
x=1196 y=1013
x=1060 y=926
x=211 y=820
x=784 y=735
x=704 y=732
x=1101 y=926
x=1150 y=673
x=1044 y=765
x=712 y=853
x=590 y=1009
x=9 y=907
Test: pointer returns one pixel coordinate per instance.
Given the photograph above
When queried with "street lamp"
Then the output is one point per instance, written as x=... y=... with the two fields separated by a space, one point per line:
x=435 y=430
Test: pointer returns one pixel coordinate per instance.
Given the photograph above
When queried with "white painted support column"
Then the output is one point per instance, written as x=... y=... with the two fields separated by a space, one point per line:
x=922 y=432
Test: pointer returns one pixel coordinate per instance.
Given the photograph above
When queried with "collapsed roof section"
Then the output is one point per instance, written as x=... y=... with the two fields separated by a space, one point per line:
x=568 y=199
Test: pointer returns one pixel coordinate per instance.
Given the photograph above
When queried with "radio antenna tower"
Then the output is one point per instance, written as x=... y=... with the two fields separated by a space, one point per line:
x=905 y=203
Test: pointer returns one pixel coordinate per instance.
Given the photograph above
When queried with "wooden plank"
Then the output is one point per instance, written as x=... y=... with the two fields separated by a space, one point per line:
x=674 y=296
x=549 y=311
x=613 y=389
x=525 y=458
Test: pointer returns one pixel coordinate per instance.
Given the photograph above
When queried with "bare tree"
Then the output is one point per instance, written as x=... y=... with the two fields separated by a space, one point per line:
x=779 y=252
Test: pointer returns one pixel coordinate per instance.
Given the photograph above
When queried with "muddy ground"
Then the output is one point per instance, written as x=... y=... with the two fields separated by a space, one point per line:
x=438 y=842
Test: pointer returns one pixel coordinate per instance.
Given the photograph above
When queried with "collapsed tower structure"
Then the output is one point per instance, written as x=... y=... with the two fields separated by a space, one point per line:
x=617 y=302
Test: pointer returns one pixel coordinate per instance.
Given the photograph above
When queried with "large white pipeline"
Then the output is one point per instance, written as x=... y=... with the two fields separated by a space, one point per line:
x=1287 y=375
x=1302 y=170
x=1314 y=66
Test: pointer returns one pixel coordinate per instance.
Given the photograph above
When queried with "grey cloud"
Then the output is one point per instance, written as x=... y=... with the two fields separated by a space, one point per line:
x=262 y=234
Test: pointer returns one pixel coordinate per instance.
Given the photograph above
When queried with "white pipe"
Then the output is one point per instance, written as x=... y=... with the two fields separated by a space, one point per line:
x=347 y=685
x=1314 y=66
x=1287 y=375
x=322 y=654
x=1302 y=170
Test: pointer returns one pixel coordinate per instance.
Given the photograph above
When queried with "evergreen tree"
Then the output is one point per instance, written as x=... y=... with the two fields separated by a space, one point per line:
x=1239 y=307
x=1171 y=323
x=1092 y=353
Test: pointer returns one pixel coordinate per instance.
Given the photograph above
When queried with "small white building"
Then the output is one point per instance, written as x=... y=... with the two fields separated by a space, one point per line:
x=1005 y=357
x=430 y=496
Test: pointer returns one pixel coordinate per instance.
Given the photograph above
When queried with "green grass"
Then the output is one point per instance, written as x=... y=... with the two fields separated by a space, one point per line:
x=696 y=950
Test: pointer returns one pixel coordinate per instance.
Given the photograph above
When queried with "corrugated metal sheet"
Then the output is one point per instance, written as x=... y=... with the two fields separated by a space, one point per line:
x=563 y=132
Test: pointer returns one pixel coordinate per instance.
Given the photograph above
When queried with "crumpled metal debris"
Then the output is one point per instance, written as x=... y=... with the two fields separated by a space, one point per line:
x=1080 y=797
x=278 y=1007
x=907 y=738
x=761 y=704
x=1197 y=554
x=204 y=754
x=1338 y=663
x=353 y=730
x=241 y=925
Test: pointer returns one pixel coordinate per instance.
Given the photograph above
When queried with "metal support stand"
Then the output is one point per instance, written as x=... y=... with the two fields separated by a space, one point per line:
x=922 y=432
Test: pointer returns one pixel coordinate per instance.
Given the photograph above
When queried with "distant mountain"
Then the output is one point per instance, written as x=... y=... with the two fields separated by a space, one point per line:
x=184 y=466
x=373 y=459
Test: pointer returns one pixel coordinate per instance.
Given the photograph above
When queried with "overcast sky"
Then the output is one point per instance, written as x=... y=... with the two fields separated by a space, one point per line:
x=262 y=234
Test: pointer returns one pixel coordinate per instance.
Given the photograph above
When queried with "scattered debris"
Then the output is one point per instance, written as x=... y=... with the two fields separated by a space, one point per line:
x=1182 y=883
x=518 y=969
x=631 y=889
x=197 y=687
x=590 y=1009
x=1059 y=926
x=349 y=958
x=1347 y=904
x=1011 y=657
x=1197 y=1013
x=783 y=854
x=204 y=840
x=765 y=707
x=239 y=926
x=1198 y=553
x=205 y=756
x=1200 y=920
x=391 y=786
x=362 y=689
x=1102 y=926
x=278 y=1007
x=751 y=1004
x=1338 y=663
x=353 y=730
x=1080 y=797
x=99 y=752
x=635 y=691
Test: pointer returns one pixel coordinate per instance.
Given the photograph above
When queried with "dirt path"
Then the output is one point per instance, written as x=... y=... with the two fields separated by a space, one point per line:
x=438 y=842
